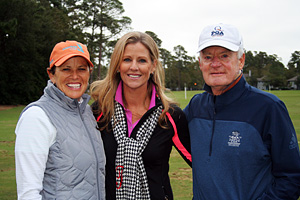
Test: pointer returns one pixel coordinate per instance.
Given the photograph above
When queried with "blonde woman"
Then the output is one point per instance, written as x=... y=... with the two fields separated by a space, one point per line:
x=138 y=121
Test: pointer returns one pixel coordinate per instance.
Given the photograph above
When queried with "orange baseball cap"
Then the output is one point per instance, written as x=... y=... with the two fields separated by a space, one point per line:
x=64 y=50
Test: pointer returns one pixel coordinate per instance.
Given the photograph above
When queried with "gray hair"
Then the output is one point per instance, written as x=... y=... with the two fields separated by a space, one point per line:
x=240 y=52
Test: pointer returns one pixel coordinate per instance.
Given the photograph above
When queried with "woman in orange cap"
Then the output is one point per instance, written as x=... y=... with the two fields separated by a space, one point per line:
x=59 y=152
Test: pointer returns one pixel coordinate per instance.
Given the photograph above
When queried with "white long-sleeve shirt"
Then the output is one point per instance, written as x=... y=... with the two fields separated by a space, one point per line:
x=34 y=135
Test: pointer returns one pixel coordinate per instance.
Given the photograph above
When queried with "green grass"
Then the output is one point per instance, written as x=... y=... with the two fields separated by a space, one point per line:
x=180 y=172
x=292 y=101
x=8 y=121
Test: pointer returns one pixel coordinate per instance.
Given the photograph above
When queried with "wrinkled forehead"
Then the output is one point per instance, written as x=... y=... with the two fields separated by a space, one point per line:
x=216 y=49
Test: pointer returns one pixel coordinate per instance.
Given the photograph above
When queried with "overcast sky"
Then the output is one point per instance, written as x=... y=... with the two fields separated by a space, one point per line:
x=269 y=26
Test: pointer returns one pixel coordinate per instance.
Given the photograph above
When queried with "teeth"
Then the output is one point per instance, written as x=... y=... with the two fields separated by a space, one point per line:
x=134 y=76
x=74 y=85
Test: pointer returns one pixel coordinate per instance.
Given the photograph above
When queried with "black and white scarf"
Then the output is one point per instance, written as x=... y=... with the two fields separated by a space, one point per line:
x=131 y=177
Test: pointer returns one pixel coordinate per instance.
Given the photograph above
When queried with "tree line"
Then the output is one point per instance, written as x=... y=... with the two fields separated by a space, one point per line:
x=29 y=29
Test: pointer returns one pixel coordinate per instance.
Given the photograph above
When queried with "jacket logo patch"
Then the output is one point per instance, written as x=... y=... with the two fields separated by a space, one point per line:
x=234 y=139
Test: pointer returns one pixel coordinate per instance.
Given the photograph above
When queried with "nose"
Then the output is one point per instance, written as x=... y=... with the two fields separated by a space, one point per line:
x=215 y=62
x=74 y=74
x=134 y=66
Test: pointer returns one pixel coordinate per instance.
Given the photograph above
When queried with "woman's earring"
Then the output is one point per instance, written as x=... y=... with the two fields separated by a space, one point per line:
x=151 y=75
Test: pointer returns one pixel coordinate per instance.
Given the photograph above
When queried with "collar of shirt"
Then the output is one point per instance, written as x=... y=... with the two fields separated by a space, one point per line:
x=128 y=113
x=80 y=100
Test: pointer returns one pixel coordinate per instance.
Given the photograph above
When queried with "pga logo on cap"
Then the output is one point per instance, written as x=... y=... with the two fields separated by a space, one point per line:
x=217 y=31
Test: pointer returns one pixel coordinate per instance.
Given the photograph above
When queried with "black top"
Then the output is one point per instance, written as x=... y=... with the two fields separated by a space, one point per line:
x=155 y=156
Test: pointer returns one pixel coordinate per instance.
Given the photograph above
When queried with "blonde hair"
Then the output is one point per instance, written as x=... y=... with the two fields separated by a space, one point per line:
x=103 y=91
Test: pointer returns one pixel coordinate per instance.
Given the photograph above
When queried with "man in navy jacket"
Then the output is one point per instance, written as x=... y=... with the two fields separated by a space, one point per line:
x=244 y=145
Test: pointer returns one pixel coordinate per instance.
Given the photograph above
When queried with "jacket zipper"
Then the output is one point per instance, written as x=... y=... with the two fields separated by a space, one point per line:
x=213 y=127
x=97 y=161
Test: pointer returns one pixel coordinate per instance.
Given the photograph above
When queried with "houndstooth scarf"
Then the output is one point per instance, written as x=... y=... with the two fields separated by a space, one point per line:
x=131 y=178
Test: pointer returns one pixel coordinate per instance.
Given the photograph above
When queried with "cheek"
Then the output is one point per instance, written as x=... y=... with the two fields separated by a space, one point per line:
x=122 y=75
x=203 y=67
x=238 y=66
x=123 y=69
x=86 y=78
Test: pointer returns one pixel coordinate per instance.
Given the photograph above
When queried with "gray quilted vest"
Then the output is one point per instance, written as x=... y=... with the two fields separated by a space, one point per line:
x=75 y=167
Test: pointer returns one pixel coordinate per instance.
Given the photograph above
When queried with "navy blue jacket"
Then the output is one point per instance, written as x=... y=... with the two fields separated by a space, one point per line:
x=244 y=146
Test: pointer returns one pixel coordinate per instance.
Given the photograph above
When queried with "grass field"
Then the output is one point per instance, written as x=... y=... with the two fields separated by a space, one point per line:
x=180 y=172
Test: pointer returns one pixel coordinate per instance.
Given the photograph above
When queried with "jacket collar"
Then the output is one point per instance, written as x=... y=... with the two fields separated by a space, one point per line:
x=233 y=92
